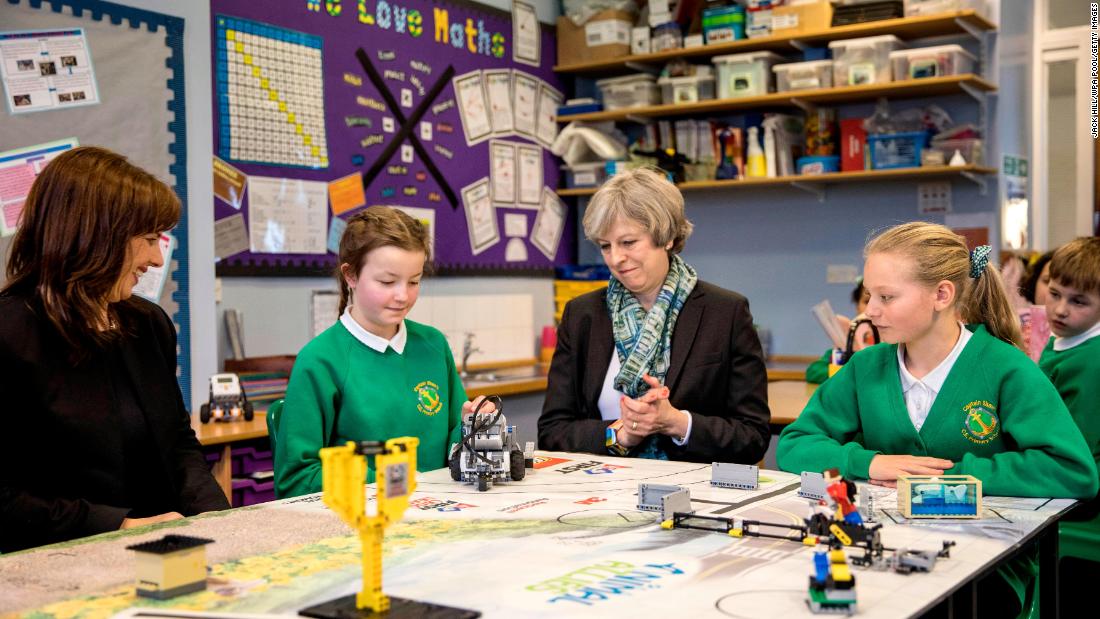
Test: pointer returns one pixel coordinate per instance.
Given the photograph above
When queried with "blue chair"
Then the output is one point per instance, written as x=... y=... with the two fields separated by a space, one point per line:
x=274 y=415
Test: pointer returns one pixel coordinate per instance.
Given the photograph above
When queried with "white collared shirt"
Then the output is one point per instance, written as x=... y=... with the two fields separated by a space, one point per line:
x=374 y=342
x=920 y=394
x=608 y=402
x=1065 y=343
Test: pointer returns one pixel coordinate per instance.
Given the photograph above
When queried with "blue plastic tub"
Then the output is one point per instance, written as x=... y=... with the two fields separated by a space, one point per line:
x=818 y=164
x=896 y=150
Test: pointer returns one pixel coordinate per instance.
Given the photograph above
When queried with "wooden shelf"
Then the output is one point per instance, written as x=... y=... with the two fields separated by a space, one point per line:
x=833 y=178
x=908 y=89
x=953 y=22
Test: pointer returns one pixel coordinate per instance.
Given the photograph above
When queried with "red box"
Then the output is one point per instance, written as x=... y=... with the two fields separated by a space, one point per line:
x=853 y=145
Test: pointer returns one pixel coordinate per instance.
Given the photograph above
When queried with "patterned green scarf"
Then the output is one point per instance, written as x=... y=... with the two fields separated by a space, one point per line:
x=643 y=340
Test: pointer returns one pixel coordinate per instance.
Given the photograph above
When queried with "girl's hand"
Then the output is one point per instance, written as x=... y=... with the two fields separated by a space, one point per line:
x=888 y=468
x=468 y=408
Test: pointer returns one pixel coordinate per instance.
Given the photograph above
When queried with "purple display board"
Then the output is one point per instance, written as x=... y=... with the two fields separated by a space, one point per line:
x=317 y=91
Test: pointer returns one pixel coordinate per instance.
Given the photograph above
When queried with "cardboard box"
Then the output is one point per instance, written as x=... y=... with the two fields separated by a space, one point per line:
x=811 y=16
x=853 y=145
x=603 y=37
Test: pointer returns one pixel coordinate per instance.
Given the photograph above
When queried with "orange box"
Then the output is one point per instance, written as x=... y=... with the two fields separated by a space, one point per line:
x=800 y=18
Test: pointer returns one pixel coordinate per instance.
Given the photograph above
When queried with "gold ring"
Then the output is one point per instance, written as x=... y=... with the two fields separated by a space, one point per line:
x=634 y=426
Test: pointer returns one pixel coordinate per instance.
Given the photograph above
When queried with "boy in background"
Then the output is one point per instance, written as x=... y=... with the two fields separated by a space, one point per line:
x=1070 y=361
x=1071 y=357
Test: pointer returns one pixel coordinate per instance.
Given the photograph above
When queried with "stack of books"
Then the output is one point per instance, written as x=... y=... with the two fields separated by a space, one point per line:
x=262 y=388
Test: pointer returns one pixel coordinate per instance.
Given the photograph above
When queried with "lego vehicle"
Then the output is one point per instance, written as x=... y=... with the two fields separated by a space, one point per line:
x=488 y=451
x=228 y=401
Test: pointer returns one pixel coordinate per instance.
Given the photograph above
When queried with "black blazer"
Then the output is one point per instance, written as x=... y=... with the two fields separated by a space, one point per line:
x=716 y=372
x=61 y=465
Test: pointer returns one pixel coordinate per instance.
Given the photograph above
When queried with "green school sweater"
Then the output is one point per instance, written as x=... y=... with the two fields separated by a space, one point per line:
x=1076 y=375
x=818 y=371
x=342 y=390
x=997 y=417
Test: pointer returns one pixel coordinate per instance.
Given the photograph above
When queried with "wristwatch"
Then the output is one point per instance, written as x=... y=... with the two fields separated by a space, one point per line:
x=611 y=439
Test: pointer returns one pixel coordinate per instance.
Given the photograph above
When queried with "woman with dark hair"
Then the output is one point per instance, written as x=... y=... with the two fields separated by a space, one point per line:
x=97 y=437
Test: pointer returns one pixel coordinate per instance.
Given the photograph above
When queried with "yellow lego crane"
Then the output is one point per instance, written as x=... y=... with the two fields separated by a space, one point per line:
x=343 y=470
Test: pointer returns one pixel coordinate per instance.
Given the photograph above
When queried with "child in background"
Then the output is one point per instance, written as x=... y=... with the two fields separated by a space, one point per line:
x=818 y=371
x=944 y=397
x=1037 y=280
x=1071 y=358
x=373 y=375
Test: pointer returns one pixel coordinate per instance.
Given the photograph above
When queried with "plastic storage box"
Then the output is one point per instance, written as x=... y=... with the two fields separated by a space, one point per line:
x=818 y=164
x=745 y=75
x=938 y=61
x=248 y=460
x=629 y=91
x=689 y=88
x=585 y=174
x=914 y=8
x=969 y=148
x=896 y=150
x=251 y=492
x=803 y=75
x=863 y=61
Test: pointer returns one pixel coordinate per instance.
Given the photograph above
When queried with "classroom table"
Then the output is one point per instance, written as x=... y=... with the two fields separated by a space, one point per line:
x=566 y=541
x=786 y=399
x=223 y=434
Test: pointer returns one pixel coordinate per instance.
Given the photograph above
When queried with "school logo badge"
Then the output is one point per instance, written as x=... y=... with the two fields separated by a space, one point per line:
x=980 y=422
x=427 y=398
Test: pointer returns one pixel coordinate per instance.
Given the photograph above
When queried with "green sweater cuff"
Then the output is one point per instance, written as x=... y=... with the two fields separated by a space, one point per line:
x=859 y=462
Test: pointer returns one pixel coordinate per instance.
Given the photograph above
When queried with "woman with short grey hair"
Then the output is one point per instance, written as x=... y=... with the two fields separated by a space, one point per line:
x=659 y=364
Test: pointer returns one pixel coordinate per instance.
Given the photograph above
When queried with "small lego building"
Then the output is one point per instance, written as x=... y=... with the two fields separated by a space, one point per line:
x=170 y=566
x=740 y=476
x=832 y=585
x=651 y=498
x=940 y=496
x=813 y=486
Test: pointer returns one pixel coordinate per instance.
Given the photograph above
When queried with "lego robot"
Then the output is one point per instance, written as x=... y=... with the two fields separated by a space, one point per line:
x=488 y=451
x=228 y=401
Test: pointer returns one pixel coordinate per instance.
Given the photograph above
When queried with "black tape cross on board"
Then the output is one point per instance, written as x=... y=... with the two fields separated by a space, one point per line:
x=408 y=126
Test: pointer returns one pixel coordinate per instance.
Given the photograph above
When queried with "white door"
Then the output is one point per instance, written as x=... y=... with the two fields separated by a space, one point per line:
x=1062 y=144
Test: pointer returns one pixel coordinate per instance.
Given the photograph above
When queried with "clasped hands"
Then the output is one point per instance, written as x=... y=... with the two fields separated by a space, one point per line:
x=651 y=413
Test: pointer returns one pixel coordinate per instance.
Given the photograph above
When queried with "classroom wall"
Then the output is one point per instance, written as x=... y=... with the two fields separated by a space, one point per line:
x=771 y=245
x=207 y=332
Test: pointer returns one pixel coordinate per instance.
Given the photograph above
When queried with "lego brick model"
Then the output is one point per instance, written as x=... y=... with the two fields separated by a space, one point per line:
x=832 y=586
x=343 y=469
x=228 y=401
x=813 y=486
x=489 y=450
x=651 y=499
x=740 y=476
x=170 y=566
x=940 y=496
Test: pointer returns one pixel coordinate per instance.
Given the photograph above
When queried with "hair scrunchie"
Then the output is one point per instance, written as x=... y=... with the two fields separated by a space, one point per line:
x=979 y=259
